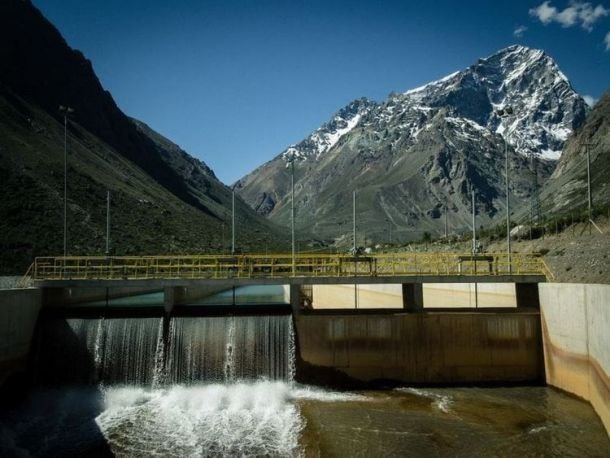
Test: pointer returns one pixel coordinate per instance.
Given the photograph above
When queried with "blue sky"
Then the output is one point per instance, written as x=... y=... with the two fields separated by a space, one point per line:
x=236 y=82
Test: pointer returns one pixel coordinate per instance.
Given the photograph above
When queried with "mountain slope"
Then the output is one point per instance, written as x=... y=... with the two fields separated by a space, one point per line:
x=566 y=189
x=417 y=152
x=163 y=200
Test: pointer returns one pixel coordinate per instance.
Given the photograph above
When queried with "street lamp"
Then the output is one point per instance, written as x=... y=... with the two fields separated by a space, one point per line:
x=108 y=223
x=503 y=113
x=355 y=248
x=233 y=222
x=292 y=155
x=66 y=111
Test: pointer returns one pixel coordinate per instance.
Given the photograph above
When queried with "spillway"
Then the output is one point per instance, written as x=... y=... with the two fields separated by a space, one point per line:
x=158 y=351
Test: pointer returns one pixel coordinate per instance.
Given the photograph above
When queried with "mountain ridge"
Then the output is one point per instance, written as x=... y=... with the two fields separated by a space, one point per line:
x=424 y=143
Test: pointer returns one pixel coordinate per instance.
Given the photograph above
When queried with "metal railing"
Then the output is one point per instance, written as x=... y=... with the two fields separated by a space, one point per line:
x=280 y=265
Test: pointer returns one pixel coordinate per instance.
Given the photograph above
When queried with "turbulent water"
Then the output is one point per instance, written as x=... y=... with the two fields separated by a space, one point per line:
x=224 y=387
x=275 y=418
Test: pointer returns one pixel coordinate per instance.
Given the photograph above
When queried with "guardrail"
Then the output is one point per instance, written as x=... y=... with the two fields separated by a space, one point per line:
x=281 y=265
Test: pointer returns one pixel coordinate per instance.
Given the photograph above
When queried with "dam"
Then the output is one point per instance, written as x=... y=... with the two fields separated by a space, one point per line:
x=194 y=368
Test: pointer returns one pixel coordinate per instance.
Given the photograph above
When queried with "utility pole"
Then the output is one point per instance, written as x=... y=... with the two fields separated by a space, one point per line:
x=222 y=246
x=294 y=259
x=505 y=112
x=474 y=246
x=233 y=223
x=354 y=219
x=474 y=226
x=589 y=197
x=66 y=111
x=107 y=223
x=446 y=226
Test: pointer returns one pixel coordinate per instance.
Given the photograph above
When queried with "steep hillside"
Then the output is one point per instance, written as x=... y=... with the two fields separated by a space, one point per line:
x=163 y=200
x=566 y=190
x=413 y=157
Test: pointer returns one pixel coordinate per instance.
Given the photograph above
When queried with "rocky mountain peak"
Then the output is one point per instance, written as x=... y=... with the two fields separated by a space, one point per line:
x=540 y=106
x=327 y=136
x=416 y=154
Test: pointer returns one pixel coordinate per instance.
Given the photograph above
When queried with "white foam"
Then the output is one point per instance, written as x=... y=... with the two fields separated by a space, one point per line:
x=440 y=401
x=310 y=393
x=235 y=419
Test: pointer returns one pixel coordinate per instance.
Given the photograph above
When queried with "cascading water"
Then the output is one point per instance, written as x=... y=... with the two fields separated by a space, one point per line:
x=194 y=350
x=230 y=349
x=109 y=351
x=197 y=386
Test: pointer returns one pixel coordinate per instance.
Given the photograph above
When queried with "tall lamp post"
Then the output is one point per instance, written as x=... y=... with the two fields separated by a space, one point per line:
x=291 y=155
x=233 y=222
x=65 y=111
x=108 y=223
x=503 y=113
x=354 y=221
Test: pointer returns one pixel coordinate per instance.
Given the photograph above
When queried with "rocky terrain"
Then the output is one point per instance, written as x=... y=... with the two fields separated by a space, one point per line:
x=413 y=158
x=567 y=187
x=578 y=254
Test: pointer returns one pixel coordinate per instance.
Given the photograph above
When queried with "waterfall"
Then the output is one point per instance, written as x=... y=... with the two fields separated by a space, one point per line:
x=228 y=349
x=159 y=351
x=110 y=351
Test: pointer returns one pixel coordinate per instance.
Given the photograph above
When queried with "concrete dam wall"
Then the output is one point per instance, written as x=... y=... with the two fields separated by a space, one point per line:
x=427 y=347
x=567 y=344
x=576 y=334
x=19 y=310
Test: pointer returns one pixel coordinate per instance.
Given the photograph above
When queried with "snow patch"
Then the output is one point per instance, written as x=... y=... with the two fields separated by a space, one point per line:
x=550 y=154
x=434 y=83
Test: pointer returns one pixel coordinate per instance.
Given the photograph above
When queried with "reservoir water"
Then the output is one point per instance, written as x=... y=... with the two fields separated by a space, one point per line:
x=224 y=386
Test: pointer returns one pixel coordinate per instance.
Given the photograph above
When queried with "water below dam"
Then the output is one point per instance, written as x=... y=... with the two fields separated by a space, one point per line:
x=225 y=386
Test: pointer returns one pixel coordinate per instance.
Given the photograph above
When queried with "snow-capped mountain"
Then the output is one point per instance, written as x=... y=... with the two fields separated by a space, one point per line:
x=327 y=136
x=414 y=156
x=545 y=108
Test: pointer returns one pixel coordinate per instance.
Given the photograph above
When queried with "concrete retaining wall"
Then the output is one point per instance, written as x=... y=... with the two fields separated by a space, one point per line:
x=19 y=309
x=427 y=347
x=576 y=334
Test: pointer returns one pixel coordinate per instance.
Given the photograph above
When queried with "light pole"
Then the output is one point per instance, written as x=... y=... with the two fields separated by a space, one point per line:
x=294 y=261
x=66 y=111
x=474 y=222
x=474 y=247
x=354 y=219
x=233 y=223
x=589 y=197
x=107 y=223
x=291 y=155
x=505 y=112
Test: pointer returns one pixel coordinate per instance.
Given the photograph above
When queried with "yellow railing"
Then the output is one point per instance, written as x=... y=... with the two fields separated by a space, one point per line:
x=281 y=265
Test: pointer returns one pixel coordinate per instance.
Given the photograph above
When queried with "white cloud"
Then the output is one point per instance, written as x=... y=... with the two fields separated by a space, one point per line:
x=607 y=41
x=544 y=12
x=519 y=31
x=590 y=100
x=577 y=13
